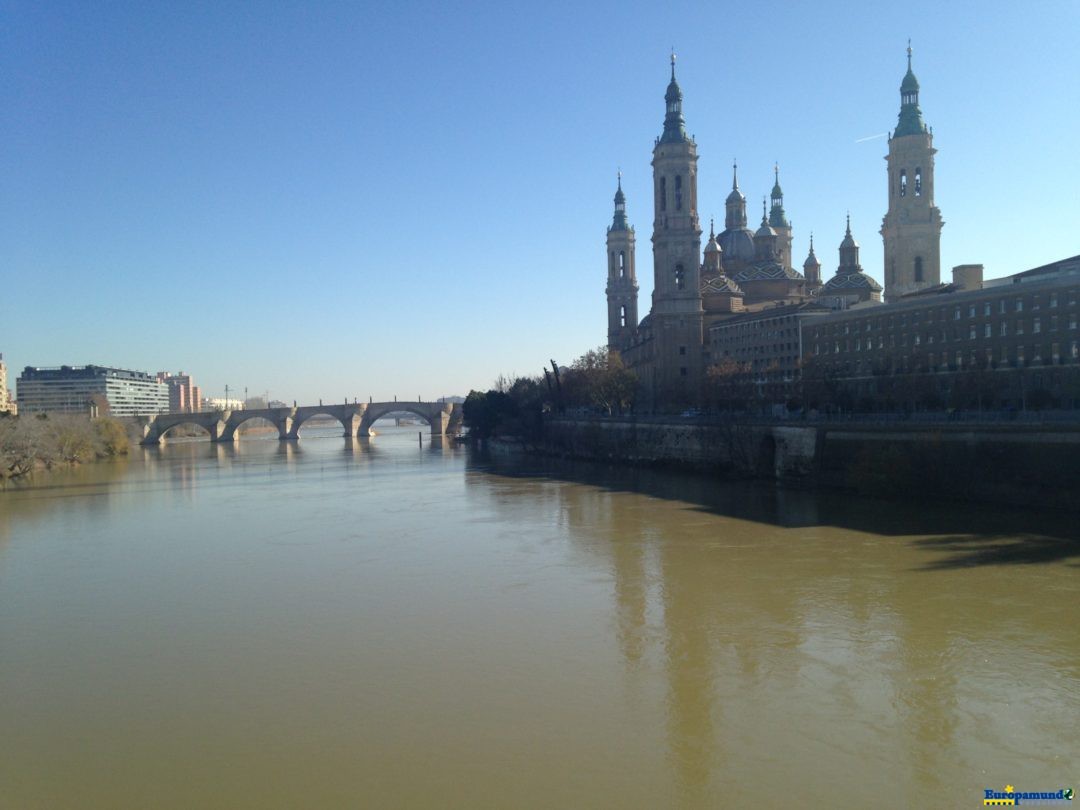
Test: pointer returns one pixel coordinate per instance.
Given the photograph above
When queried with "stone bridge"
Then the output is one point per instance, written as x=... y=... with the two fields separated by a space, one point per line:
x=356 y=418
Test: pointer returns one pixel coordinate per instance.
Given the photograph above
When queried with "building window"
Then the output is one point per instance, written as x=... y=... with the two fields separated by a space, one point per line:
x=1036 y=325
x=987 y=331
x=622 y=316
x=1053 y=300
x=1055 y=353
x=1003 y=329
x=1019 y=304
x=971 y=311
x=1020 y=355
x=971 y=332
x=622 y=264
x=1074 y=350
x=682 y=350
x=959 y=359
x=1034 y=302
x=918 y=182
x=903 y=183
x=1053 y=323
x=1019 y=326
x=680 y=280
x=918 y=269
x=956 y=314
x=986 y=308
x=1072 y=321
x=663 y=194
x=682 y=371
x=1001 y=308
x=678 y=192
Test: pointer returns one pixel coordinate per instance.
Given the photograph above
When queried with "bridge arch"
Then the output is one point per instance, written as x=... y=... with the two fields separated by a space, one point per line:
x=436 y=414
x=203 y=430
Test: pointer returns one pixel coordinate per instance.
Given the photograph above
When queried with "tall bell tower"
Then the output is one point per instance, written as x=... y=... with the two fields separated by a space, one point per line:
x=911 y=228
x=677 y=310
x=622 y=286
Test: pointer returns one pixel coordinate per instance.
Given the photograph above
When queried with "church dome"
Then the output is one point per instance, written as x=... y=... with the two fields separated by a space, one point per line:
x=720 y=285
x=737 y=243
x=736 y=196
x=851 y=281
x=768 y=271
x=765 y=230
x=713 y=247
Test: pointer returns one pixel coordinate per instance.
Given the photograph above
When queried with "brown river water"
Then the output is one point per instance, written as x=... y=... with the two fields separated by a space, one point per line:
x=337 y=623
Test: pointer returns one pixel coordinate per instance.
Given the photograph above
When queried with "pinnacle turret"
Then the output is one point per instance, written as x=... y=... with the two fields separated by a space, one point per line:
x=910 y=120
x=674 y=124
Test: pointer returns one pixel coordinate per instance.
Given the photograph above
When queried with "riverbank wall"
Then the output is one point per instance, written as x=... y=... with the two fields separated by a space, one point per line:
x=1025 y=464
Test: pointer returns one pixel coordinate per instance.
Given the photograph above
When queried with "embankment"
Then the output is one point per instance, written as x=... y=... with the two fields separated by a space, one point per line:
x=1029 y=464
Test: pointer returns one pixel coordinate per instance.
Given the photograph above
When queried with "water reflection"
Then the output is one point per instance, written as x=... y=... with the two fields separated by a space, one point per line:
x=847 y=642
x=395 y=622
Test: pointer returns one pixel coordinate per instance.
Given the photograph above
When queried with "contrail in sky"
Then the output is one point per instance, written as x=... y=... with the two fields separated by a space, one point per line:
x=870 y=137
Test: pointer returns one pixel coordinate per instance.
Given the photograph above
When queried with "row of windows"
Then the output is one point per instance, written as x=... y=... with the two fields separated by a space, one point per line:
x=973 y=331
x=973 y=310
x=945 y=361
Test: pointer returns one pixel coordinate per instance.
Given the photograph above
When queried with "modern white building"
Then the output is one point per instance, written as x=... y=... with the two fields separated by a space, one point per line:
x=85 y=389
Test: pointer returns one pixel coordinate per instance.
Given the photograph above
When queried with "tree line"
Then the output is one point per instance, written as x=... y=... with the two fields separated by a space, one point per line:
x=597 y=382
x=29 y=443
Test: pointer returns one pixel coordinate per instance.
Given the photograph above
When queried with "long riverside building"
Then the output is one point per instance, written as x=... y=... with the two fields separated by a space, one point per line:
x=72 y=389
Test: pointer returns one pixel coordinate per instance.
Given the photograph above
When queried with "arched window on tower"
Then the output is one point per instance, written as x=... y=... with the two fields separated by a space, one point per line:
x=622 y=264
x=903 y=182
x=918 y=182
x=680 y=277
x=678 y=192
x=663 y=194
x=918 y=269
x=622 y=316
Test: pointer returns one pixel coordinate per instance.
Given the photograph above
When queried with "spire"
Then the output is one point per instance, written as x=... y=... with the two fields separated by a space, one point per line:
x=619 y=222
x=849 y=252
x=735 y=196
x=811 y=258
x=712 y=230
x=674 y=124
x=777 y=217
x=910 y=120
x=764 y=218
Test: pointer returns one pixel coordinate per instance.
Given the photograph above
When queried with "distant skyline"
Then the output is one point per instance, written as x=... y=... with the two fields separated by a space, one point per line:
x=347 y=199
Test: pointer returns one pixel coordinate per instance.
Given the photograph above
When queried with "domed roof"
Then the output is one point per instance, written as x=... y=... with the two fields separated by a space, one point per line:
x=768 y=271
x=713 y=247
x=737 y=243
x=811 y=258
x=851 y=281
x=765 y=230
x=720 y=285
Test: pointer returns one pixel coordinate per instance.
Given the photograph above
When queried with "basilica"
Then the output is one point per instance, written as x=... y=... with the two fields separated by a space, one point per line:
x=742 y=270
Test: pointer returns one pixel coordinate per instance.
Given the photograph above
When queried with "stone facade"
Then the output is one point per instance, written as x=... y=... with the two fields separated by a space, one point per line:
x=7 y=403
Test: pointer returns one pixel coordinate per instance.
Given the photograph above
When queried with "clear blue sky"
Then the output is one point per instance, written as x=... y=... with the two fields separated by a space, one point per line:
x=331 y=199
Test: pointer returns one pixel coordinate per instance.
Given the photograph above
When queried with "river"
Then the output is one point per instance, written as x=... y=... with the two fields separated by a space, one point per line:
x=340 y=623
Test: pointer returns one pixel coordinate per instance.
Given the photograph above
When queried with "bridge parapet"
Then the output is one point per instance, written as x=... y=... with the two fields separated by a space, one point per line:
x=356 y=419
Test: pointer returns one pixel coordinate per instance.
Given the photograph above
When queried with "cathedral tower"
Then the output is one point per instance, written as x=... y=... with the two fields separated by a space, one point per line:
x=677 y=310
x=779 y=221
x=911 y=228
x=622 y=287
